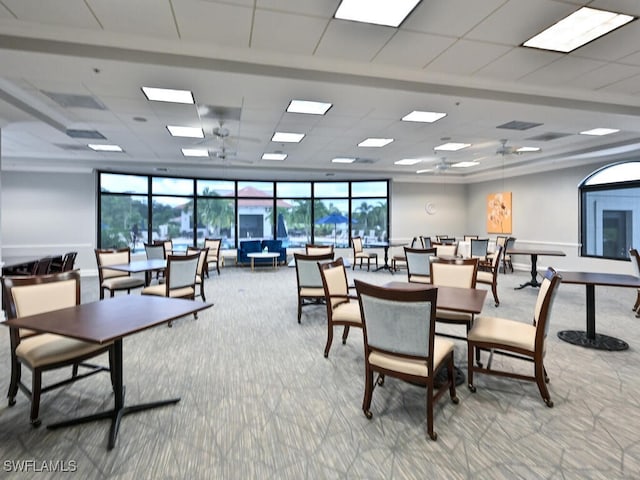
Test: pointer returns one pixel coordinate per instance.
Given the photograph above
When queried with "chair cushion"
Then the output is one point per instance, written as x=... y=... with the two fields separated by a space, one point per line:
x=311 y=292
x=441 y=348
x=347 y=312
x=161 y=290
x=122 y=283
x=419 y=279
x=47 y=349
x=503 y=331
x=366 y=255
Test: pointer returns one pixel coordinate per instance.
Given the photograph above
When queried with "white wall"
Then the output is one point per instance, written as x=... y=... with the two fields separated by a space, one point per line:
x=52 y=213
x=48 y=214
x=545 y=210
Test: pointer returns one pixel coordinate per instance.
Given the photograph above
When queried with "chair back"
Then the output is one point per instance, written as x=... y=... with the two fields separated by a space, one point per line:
x=334 y=281
x=31 y=295
x=455 y=272
x=307 y=271
x=479 y=247
x=154 y=251
x=446 y=250
x=419 y=261
x=426 y=242
x=357 y=244
x=68 y=261
x=495 y=259
x=311 y=249
x=42 y=266
x=168 y=247
x=213 y=244
x=544 y=303
x=501 y=240
x=398 y=322
x=202 y=258
x=510 y=242
x=635 y=259
x=470 y=237
x=181 y=271
x=112 y=257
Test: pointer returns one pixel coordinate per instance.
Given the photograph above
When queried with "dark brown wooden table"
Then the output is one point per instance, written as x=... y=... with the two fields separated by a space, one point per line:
x=533 y=252
x=590 y=338
x=111 y=320
x=385 y=246
x=139 y=266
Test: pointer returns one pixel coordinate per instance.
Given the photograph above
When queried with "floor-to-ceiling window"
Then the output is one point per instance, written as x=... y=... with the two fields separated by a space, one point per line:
x=134 y=209
x=610 y=211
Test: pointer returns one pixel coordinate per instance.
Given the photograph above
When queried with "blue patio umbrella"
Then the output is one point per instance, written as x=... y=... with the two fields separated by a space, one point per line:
x=334 y=218
x=281 y=228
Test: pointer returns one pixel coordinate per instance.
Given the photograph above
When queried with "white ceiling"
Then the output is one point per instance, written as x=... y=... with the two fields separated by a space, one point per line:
x=462 y=57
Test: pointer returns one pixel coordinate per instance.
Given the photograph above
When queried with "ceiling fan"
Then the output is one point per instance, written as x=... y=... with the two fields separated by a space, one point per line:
x=505 y=149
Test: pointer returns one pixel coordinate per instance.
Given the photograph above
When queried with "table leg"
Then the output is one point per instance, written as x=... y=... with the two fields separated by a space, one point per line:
x=385 y=265
x=534 y=274
x=119 y=409
x=590 y=338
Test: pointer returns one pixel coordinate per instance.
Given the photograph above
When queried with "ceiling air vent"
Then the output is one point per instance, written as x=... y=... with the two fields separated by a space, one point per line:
x=74 y=147
x=546 y=137
x=518 y=125
x=70 y=100
x=91 y=134
x=365 y=160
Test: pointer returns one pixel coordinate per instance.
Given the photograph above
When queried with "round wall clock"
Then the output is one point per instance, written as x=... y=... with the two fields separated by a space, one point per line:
x=430 y=208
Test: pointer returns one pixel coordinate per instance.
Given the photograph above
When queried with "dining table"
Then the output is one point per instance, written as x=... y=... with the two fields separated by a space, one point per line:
x=534 y=253
x=139 y=266
x=111 y=320
x=457 y=299
x=590 y=338
x=385 y=246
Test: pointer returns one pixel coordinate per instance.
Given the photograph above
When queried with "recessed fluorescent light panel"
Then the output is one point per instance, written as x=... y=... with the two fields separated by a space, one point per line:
x=425 y=170
x=527 y=149
x=308 y=107
x=191 y=132
x=424 y=117
x=579 y=28
x=343 y=160
x=600 y=131
x=380 y=12
x=98 y=147
x=451 y=147
x=287 y=137
x=274 y=156
x=168 y=95
x=408 y=161
x=465 y=164
x=195 y=152
x=375 y=142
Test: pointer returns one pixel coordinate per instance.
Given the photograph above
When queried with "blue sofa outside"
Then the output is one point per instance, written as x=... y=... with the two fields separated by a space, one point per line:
x=251 y=246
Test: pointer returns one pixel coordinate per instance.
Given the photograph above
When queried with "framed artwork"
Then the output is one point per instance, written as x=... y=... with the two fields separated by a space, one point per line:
x=499 y=212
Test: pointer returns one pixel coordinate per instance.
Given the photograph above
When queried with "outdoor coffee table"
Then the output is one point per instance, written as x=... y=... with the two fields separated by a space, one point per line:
x=272 y=255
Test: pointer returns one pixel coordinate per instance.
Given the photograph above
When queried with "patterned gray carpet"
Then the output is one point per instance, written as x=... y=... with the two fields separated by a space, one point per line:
x=260 y=401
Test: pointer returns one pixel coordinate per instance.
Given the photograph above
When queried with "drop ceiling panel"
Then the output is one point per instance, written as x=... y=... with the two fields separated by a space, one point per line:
x=219 y=23
x=353 y=41
x=465 y=57
x=274 y=31
x=411 y=49
x=562 y=71
x=517 y=63
x=518 y=20
x=444 y=17
x=319 y=8
x=71 y=13
x=140 y=17
x=630 y=86
x=606 y=75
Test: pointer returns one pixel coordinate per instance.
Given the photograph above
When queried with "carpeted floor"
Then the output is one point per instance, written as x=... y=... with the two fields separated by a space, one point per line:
x=259 y=400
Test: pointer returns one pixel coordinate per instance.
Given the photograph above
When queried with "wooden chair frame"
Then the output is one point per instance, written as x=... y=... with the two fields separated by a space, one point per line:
x=309 y=280
x=359 y=253
x=17 y=336
x=214 y=245
x=546 y=296
x=129 y=283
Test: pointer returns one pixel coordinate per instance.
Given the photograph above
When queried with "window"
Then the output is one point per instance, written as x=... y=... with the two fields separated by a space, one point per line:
x=134 y=209
x=610 y=211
